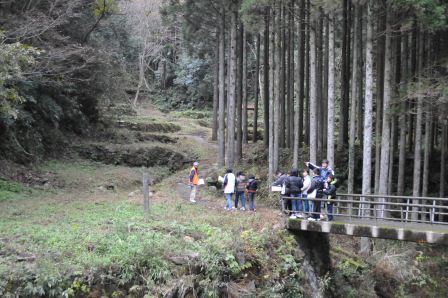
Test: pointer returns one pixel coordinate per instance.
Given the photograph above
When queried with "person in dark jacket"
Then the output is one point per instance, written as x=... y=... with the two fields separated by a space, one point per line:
x=330 y=193
x=240 y=189
x=295 y=183
x=280 y=178
x=251 y=188
x=317 y=185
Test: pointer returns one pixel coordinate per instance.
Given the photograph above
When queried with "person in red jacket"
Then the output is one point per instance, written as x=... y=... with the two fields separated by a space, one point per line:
x=194 y=180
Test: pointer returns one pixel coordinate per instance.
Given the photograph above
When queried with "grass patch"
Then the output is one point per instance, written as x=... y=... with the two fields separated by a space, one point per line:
x=69 y=240
x=11 y=191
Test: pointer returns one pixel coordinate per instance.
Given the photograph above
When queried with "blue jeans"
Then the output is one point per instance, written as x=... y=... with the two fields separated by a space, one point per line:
x=316 y=209
x=296 y=205
x=240 y=194
x=228 y=200
x=305 y=202
x=251 y=198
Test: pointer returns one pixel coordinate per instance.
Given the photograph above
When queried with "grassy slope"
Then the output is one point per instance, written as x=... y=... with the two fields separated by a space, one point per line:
x=80 y=238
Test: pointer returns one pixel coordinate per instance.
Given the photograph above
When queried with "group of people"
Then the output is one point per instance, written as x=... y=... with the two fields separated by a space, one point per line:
x=239 y=185
x=322 y=185
x=299 y=187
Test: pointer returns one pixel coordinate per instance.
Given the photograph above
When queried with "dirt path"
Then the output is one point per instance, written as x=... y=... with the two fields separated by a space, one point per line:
x=200 y=138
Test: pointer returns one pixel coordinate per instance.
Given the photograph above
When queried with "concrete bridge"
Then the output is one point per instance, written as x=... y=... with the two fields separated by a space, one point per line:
x=417 y=219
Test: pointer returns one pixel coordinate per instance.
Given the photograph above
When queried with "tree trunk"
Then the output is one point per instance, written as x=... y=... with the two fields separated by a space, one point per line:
x=402 y=116
x=278 y=84
x=307 y=75
x=141 y=78
x=396 y=95
x=222 y=90
x=386 y=129
x=299 y=84
x=216 y=90
x=291 y=33
x=313 y=95
x=331 y=91
x=354 y=96
x=282 y=74
x=443 y=159
x=381 y=23
x=230 y=152
x=257 y=89
x=427 y=154
x=418 y=131
x=266 y=84
x=359 y=81
x=319 y=72
x=271 y=96
x=239 y=93
x=244 y=83
x=325 y=86
x=393 y=146
x=301 y=61
x=345 y=78
x=368 y=122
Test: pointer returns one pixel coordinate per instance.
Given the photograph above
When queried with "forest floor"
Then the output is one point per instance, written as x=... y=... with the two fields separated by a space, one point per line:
x=75 y=227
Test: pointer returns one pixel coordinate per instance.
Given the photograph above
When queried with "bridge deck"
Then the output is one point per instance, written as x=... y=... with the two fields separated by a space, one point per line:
x=360 y=227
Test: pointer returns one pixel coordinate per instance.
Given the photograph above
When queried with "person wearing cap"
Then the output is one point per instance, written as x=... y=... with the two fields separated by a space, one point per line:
x=325 y=170
x=194 y=180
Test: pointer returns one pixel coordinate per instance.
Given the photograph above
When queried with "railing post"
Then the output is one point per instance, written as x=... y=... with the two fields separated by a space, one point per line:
x=407 y=209
x=432 y=211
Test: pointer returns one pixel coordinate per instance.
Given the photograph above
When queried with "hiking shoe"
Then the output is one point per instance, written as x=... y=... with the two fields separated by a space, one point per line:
x=193 y=200
x=311 y=219
x=293 y=216
x=300 y=215
x=243 y=209
x=233 y=208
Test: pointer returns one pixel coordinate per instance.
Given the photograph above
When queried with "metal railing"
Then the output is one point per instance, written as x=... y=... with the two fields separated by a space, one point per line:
x=405 y=209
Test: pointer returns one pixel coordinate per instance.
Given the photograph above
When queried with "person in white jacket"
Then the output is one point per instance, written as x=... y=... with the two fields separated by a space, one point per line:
x=229 y=188
x=306 y=186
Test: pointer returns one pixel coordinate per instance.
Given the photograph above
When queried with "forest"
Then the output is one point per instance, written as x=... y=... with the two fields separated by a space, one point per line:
x=363 y=77
x=95 y=93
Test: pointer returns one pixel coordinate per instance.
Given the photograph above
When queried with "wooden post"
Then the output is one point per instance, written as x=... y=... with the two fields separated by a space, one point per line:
x=146 y=194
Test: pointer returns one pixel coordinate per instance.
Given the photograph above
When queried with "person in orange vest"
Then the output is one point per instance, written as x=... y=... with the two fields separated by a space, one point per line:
x=194 y=180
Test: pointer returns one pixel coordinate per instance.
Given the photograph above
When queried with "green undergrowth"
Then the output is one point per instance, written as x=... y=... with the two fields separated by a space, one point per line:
x=10 y=190
x=64 y=247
